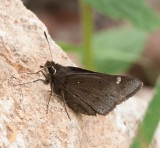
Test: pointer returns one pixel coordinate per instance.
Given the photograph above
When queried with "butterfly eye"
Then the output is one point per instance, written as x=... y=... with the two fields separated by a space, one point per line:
x=51 y=70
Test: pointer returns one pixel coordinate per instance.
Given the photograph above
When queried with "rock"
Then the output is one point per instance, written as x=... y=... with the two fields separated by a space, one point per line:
x=23 y=118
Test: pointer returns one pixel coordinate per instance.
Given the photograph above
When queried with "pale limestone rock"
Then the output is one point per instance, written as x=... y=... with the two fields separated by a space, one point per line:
x=23 y=119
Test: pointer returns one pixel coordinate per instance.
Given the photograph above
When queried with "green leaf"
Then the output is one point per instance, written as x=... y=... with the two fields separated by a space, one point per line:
x=135 y=11
x=115 y=50
x=150 y=122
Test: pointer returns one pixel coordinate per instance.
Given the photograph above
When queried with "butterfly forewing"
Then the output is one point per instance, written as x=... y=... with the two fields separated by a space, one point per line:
x=90 y=92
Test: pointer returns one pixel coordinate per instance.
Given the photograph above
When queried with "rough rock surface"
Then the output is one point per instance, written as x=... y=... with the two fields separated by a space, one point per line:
x=23 y=118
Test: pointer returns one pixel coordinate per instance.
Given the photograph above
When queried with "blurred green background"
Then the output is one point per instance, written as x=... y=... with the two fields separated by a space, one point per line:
x=110 y=36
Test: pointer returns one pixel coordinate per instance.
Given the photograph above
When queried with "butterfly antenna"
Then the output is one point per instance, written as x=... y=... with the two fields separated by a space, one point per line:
x=48 y=44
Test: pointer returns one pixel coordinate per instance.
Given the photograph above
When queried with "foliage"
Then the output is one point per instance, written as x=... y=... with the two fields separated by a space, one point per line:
x=116 y=49
x=136 y=12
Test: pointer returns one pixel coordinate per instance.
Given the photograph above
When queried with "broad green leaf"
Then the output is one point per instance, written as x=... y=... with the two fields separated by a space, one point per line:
x=115 y=50
x=135 y=11
x=150 y=122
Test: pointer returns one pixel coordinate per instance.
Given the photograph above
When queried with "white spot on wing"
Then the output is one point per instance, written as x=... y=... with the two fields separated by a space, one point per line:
x=118 y=80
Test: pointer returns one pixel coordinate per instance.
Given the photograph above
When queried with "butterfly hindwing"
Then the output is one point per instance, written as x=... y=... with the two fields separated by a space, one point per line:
x=77 y=104
x=95 y=92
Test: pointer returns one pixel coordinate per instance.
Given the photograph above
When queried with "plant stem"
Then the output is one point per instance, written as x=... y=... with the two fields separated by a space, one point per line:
x=87 y=28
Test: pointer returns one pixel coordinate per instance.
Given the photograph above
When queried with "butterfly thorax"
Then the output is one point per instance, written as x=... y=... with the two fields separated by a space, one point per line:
x=55 y=75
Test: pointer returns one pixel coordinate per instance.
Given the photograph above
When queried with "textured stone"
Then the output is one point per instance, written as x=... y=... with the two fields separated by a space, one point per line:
x=23 y=118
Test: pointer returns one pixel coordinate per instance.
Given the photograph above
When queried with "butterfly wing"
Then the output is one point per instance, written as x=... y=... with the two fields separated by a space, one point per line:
x=92 y=93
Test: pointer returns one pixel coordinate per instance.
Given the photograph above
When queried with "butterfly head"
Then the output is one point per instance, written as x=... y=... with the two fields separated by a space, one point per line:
x=49 y=68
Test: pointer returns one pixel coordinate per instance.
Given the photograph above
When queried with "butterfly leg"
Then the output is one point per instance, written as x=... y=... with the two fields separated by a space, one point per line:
x=30 y=73
x=49 y=99
x=40 y=71
x=62 y=95
x=44 y=81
